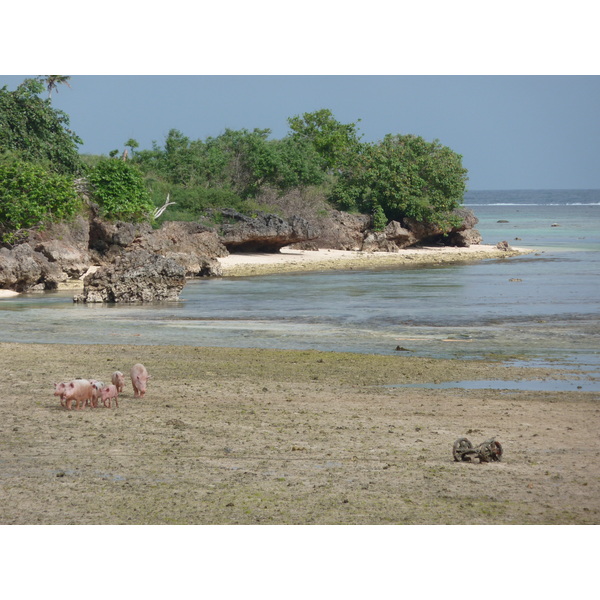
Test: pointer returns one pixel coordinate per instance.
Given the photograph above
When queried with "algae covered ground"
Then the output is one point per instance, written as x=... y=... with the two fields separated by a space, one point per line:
x=239 y=436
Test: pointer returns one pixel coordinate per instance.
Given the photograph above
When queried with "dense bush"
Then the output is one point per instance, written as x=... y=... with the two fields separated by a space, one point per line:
x=31 y=196
x=243 y=161
x=191 y=203
x=118 y=188
x=401 y=176
x=405 y=176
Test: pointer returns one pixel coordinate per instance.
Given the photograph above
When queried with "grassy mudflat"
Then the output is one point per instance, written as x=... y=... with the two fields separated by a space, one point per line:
x=237 y=436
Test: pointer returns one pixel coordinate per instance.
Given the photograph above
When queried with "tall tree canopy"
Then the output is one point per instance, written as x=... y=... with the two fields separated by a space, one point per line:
x=336 y=143
x=34 y=131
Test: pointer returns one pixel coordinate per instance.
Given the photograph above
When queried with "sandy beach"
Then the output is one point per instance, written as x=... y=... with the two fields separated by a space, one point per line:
x=241 y=436
x=289 y=259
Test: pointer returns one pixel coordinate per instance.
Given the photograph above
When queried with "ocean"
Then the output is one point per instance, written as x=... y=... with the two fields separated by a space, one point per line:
x=538 y=308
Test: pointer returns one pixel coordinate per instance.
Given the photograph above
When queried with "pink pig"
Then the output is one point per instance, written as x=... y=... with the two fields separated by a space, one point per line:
x=80 y=390
x=118 y=380
x=60 y=389
x=96 y=392
x=139 y=380
x=108 y=393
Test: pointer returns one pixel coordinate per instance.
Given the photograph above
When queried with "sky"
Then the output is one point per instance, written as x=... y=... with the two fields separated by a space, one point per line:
x=513 y=132
x=514 y=89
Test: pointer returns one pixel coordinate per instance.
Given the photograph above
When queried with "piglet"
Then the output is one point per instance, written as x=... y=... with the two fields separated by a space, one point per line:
x=80 y=390
x=110 y=392
x=60 y=389
x=96 y=391
x=118 y=380
x=139 y=380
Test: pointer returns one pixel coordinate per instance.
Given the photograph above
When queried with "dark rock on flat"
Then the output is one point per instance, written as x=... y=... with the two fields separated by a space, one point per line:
x=464 y=239
x=504 y=246
x=110 y=237
x=194 y=246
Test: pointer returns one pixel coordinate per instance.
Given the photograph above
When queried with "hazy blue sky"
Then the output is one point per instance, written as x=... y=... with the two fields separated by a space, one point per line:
x=514 y=132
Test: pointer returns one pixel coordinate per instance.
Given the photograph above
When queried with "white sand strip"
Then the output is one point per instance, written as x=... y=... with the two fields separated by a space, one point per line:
x=315 y=260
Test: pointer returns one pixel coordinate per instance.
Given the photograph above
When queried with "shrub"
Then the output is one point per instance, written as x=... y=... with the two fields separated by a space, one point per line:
x=379 y=218
x=31 y=196
x=118 y=187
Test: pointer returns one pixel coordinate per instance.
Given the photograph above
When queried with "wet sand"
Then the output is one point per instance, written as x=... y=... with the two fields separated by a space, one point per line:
x=238 y=436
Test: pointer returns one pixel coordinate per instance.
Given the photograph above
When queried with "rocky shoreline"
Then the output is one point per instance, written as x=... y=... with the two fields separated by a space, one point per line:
x=133 y=262
x=289 y=260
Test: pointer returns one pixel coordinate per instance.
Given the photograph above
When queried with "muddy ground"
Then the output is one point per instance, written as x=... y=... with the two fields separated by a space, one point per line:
x=236 y=436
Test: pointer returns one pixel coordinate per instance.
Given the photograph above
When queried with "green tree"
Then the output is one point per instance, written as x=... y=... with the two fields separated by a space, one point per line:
x=250 y=161
x=118 y=188
x=132 y=144
x=407 y=177
x=297 y=164
x=31 y=196
x=183 y=161
x=36 y=132
x=52 y=82
x=336 y=143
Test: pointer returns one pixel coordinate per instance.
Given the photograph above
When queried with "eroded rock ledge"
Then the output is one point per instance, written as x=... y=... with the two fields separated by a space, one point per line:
x=137 y=276
x=65 y=252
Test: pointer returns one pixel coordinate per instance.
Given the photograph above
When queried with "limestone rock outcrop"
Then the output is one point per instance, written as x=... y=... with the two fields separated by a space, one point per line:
x=261 y=233
x=337 y=230
x=343 y=231
x=66 y=245
x=23 y=269
x=136 y=276
x=192 y=245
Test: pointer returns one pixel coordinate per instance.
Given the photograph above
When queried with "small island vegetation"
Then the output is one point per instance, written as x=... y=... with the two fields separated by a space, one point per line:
x=321 y=164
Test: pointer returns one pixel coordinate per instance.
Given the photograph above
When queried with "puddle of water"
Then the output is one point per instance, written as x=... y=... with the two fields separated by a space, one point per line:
x=537 y=385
